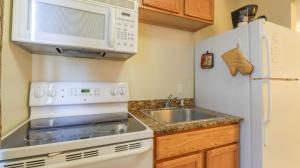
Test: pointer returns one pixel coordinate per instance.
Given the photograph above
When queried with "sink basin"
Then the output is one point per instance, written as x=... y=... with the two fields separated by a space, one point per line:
x=170 y=116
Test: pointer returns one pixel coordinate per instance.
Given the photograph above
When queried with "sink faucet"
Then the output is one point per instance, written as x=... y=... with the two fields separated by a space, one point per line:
x=169 y=101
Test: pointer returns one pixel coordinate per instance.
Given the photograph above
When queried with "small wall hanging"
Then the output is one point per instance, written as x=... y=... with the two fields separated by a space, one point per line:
x=207 y=60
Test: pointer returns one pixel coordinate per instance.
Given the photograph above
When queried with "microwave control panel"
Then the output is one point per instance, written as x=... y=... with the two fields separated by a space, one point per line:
x=126 y=31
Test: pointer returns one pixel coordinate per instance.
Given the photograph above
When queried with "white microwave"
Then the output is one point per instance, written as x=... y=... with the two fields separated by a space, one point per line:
x=79 y=28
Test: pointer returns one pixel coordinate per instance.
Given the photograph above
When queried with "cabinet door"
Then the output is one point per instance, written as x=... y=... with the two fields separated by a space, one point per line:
x=192 y=161
x=187 y=142
x=203 y=9
x=167 y=5
x=225 y=157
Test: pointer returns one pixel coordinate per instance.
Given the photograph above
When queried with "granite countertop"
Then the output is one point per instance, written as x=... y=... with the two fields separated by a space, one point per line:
x=161 y=128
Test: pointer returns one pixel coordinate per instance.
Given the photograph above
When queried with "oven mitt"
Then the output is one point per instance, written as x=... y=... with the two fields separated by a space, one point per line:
x=236 y=61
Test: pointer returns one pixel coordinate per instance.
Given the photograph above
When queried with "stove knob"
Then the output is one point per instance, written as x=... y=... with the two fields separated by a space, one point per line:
x=122 y=91
x=39 y=92
x=52 y=92
x=121 y=131
x=51 y=140
x=114 y=92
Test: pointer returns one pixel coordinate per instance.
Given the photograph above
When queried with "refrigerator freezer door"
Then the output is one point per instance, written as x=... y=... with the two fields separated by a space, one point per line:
x=217 y=90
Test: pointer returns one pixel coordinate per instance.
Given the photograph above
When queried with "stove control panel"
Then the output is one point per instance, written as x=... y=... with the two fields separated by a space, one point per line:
x=63 y=93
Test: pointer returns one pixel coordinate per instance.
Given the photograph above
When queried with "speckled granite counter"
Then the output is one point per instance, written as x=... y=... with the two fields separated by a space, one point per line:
x=159 y=128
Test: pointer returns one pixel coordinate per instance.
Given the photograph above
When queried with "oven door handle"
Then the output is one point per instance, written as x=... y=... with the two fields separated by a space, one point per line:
x=145 y=148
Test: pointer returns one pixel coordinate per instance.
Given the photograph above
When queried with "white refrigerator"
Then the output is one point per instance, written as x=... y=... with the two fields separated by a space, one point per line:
x=268 y=99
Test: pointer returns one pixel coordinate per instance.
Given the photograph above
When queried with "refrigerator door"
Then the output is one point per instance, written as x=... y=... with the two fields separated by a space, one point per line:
x=217 y=90
x=275 y=106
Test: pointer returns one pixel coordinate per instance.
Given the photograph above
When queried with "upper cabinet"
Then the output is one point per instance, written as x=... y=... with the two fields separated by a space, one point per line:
x=167 y=5
x=190 y=15
x=202 y=9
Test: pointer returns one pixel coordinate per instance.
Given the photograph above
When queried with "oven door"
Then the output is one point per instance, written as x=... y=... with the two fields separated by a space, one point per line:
x=70 y=23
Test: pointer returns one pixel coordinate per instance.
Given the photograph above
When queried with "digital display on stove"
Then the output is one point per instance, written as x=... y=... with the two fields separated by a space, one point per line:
x=85 y=90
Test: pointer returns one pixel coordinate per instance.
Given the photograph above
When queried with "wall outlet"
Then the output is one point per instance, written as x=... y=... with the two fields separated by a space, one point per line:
x=179 y=88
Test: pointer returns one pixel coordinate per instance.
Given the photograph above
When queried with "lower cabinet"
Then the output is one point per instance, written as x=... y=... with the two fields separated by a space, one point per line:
x=191 y=161
x=207 y=148
x=225 y=157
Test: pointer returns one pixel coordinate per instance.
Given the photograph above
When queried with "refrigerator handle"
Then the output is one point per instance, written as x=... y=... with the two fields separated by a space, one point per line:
x=269 y=54
x=268 y=75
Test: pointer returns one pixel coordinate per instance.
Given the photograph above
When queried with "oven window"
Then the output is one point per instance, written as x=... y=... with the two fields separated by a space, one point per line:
x=59 y=20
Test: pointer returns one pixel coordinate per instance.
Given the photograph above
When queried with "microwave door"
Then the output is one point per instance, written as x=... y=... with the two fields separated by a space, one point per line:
x=70 y=23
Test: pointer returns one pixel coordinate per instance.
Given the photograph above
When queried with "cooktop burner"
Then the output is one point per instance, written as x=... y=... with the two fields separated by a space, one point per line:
x=62 y=129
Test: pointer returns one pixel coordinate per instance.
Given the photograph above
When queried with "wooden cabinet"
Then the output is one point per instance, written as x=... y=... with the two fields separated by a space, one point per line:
x=167 y=5
x=225 y=157
x=191 y=161
x=203 y=9
x=190 y=15
x=207 y=148
x=183 y=143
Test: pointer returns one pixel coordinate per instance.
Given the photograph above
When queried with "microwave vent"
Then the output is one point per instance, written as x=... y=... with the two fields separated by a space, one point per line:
x=121 y=3
x=78 y=52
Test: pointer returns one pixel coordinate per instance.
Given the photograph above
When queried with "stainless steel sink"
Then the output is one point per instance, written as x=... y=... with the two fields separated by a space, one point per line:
x=176 y=115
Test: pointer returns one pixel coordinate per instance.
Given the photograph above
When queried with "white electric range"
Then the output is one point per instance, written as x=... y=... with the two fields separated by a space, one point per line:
x=78 y=125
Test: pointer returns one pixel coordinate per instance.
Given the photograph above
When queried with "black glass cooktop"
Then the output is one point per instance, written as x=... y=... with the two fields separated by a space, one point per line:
x=62 y=129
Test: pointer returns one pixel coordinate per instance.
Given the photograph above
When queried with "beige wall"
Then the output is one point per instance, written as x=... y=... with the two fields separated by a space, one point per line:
x=295 y=15
x=165 y=58
x=277 y=11
x=16 y=74
x=222 y=22
x=294 y=18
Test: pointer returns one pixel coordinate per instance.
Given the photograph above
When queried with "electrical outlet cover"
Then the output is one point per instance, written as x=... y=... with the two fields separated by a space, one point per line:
x=179 y=88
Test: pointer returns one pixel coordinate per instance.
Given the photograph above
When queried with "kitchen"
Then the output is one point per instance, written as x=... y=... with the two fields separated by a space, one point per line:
x=164 y=62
